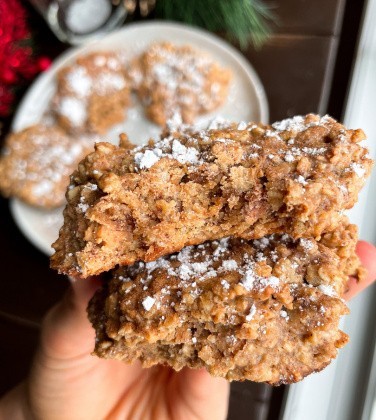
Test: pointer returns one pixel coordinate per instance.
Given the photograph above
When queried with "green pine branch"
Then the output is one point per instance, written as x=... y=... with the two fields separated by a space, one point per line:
x=242 y=21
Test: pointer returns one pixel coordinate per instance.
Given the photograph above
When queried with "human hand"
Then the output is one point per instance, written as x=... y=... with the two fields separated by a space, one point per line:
x=67 y=382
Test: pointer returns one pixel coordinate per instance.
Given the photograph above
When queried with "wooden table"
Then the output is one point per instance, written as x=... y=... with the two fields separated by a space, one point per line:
x=302 y=69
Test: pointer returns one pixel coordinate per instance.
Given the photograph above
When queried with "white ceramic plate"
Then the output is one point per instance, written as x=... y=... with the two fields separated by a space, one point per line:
x=246 y=102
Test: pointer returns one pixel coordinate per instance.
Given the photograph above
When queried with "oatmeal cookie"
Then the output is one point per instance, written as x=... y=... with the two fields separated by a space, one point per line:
x=36 y=163
x=92 y=94
x=244 y=180
x=178 y=79
x=265 y=310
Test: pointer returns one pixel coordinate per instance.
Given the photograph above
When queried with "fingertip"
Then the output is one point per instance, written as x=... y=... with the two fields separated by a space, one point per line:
x=367 y=255
x=364 y=248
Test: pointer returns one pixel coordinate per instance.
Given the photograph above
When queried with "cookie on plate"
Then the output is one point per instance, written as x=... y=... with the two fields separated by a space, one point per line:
x=245 y=180
x=92 y=93
x=265 y=310
x=177 y=79
x=36 y=163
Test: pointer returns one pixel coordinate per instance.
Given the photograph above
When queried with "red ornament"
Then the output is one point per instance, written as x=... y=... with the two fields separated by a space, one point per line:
x=18 y=63
x=43 y=63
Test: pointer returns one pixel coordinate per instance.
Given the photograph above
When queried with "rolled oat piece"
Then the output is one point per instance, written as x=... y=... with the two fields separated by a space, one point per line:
x=265 y=310
x=243 y=180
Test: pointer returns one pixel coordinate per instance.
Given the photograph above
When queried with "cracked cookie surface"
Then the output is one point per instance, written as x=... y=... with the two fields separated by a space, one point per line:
x=245 y=180
x=265 y=310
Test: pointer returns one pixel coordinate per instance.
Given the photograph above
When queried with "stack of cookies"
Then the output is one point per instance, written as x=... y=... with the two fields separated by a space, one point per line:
x=224 y=248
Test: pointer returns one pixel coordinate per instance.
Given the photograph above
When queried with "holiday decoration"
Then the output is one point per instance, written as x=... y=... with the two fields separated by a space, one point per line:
x=241 y=21
x=19 y=63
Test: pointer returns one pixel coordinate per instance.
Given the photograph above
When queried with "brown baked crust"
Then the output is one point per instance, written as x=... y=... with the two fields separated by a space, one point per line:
x=177 y=79
x=36 y=164
x=92 y=94
x=248 y=181
x=264 y=310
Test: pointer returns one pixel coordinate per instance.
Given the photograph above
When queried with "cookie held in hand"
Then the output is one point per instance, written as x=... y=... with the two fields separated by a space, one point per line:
x=242 y=180
x=265 y=310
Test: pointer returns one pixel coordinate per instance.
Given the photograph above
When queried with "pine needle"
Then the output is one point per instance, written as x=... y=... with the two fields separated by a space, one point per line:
x=242 y=21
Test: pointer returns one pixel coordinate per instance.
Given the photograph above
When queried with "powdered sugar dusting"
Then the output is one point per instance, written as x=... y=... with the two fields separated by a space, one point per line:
x=229 y=265
x=293 y=152
x=358 y=169
x=251 y=314
x=175 y=121
x=284 y=315
x=186 y=272
x=148 y=303
x=79 y=81
x=291 y=124
x=83 y=207
x=298 y=123
x=189 y=144
x=225 y=284
x=45 y=166
x=301 y=180
x=43 y=187
x=251 y=280
x=219 y=123
x=307 y=244
x=83 y=82
x=183 y=73
x=192 y=265
x=289 y=157
x=109 y=82
x=184 y=154
x=73 y=109
x=147 y=159
x=262 y=243
x=171 y=148
x=327 y=290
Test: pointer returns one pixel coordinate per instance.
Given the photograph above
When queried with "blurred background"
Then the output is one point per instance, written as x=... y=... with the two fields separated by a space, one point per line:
x=311 y=56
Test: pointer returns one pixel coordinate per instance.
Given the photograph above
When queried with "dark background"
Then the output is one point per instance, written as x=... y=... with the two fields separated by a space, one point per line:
x=305 y=66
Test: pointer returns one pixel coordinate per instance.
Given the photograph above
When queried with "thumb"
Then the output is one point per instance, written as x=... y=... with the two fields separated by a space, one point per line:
x=66 y=330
